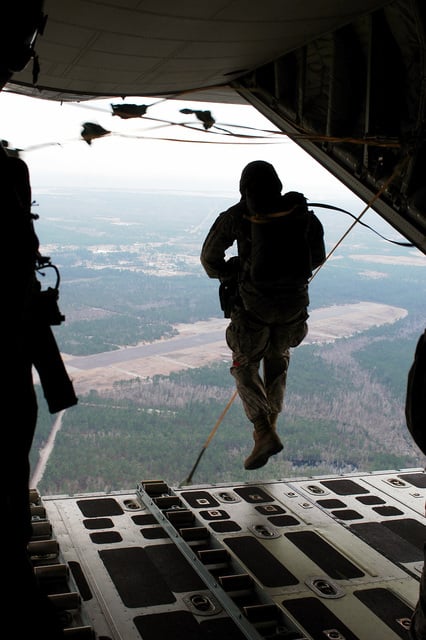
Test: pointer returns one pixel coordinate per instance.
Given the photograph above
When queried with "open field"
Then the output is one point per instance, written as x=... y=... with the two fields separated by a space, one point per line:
x=325 y=325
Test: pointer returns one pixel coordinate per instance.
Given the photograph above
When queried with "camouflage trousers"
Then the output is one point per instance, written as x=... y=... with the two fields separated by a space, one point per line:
x=261 y=357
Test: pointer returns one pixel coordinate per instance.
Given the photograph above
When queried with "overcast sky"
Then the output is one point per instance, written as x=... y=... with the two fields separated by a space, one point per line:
x=133 y=156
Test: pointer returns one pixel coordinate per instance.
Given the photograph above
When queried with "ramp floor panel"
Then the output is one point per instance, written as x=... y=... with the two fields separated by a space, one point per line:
x=309 y=557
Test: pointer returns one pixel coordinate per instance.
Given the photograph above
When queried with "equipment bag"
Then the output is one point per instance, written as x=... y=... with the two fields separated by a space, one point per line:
x=280 y=250
x=229 y=296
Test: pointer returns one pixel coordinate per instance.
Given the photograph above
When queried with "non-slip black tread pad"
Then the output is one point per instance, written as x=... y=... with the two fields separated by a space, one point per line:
x=387 y=606
x=172 y=625
x=154 y=533
x=283 y=521
x=181 y=625
x=98 y=523
x=144 y=519
x=175 y=569
x=99 y=507
x=387 y=511
x=416 y=479
x=344 y=487
x=347 y=514
x=315 y=617
x=332 y=503
x=105 y=537
x=225 y=526
x=137 y=580
x=413 y=531
x=387 y=542
x=369 y=500
x=80 y=580
x=263 y=564
x=324 y=555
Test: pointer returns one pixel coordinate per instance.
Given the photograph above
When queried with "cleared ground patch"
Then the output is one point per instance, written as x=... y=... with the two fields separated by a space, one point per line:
x=325 y=325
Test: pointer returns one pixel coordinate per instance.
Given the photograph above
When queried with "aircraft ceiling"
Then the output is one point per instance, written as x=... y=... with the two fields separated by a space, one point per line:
x=157 y=47
x=345 y=80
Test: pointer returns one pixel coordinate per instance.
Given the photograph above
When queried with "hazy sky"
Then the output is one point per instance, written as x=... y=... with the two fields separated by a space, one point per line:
x=133 y=156
x=150 y=153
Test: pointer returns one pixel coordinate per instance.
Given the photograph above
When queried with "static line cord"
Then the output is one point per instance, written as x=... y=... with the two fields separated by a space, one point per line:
x=209 y=439
x=383 y=188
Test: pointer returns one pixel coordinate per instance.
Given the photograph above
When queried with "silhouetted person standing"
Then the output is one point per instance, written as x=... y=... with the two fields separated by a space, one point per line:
x=264 y=291
x=415 y=413
x=22 y=245
x=29 y=342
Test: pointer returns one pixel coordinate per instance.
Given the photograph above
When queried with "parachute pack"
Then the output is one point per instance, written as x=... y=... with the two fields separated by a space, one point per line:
x=280 y=248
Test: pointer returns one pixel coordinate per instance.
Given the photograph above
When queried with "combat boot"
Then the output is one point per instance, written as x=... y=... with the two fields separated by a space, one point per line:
x=266 y=444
